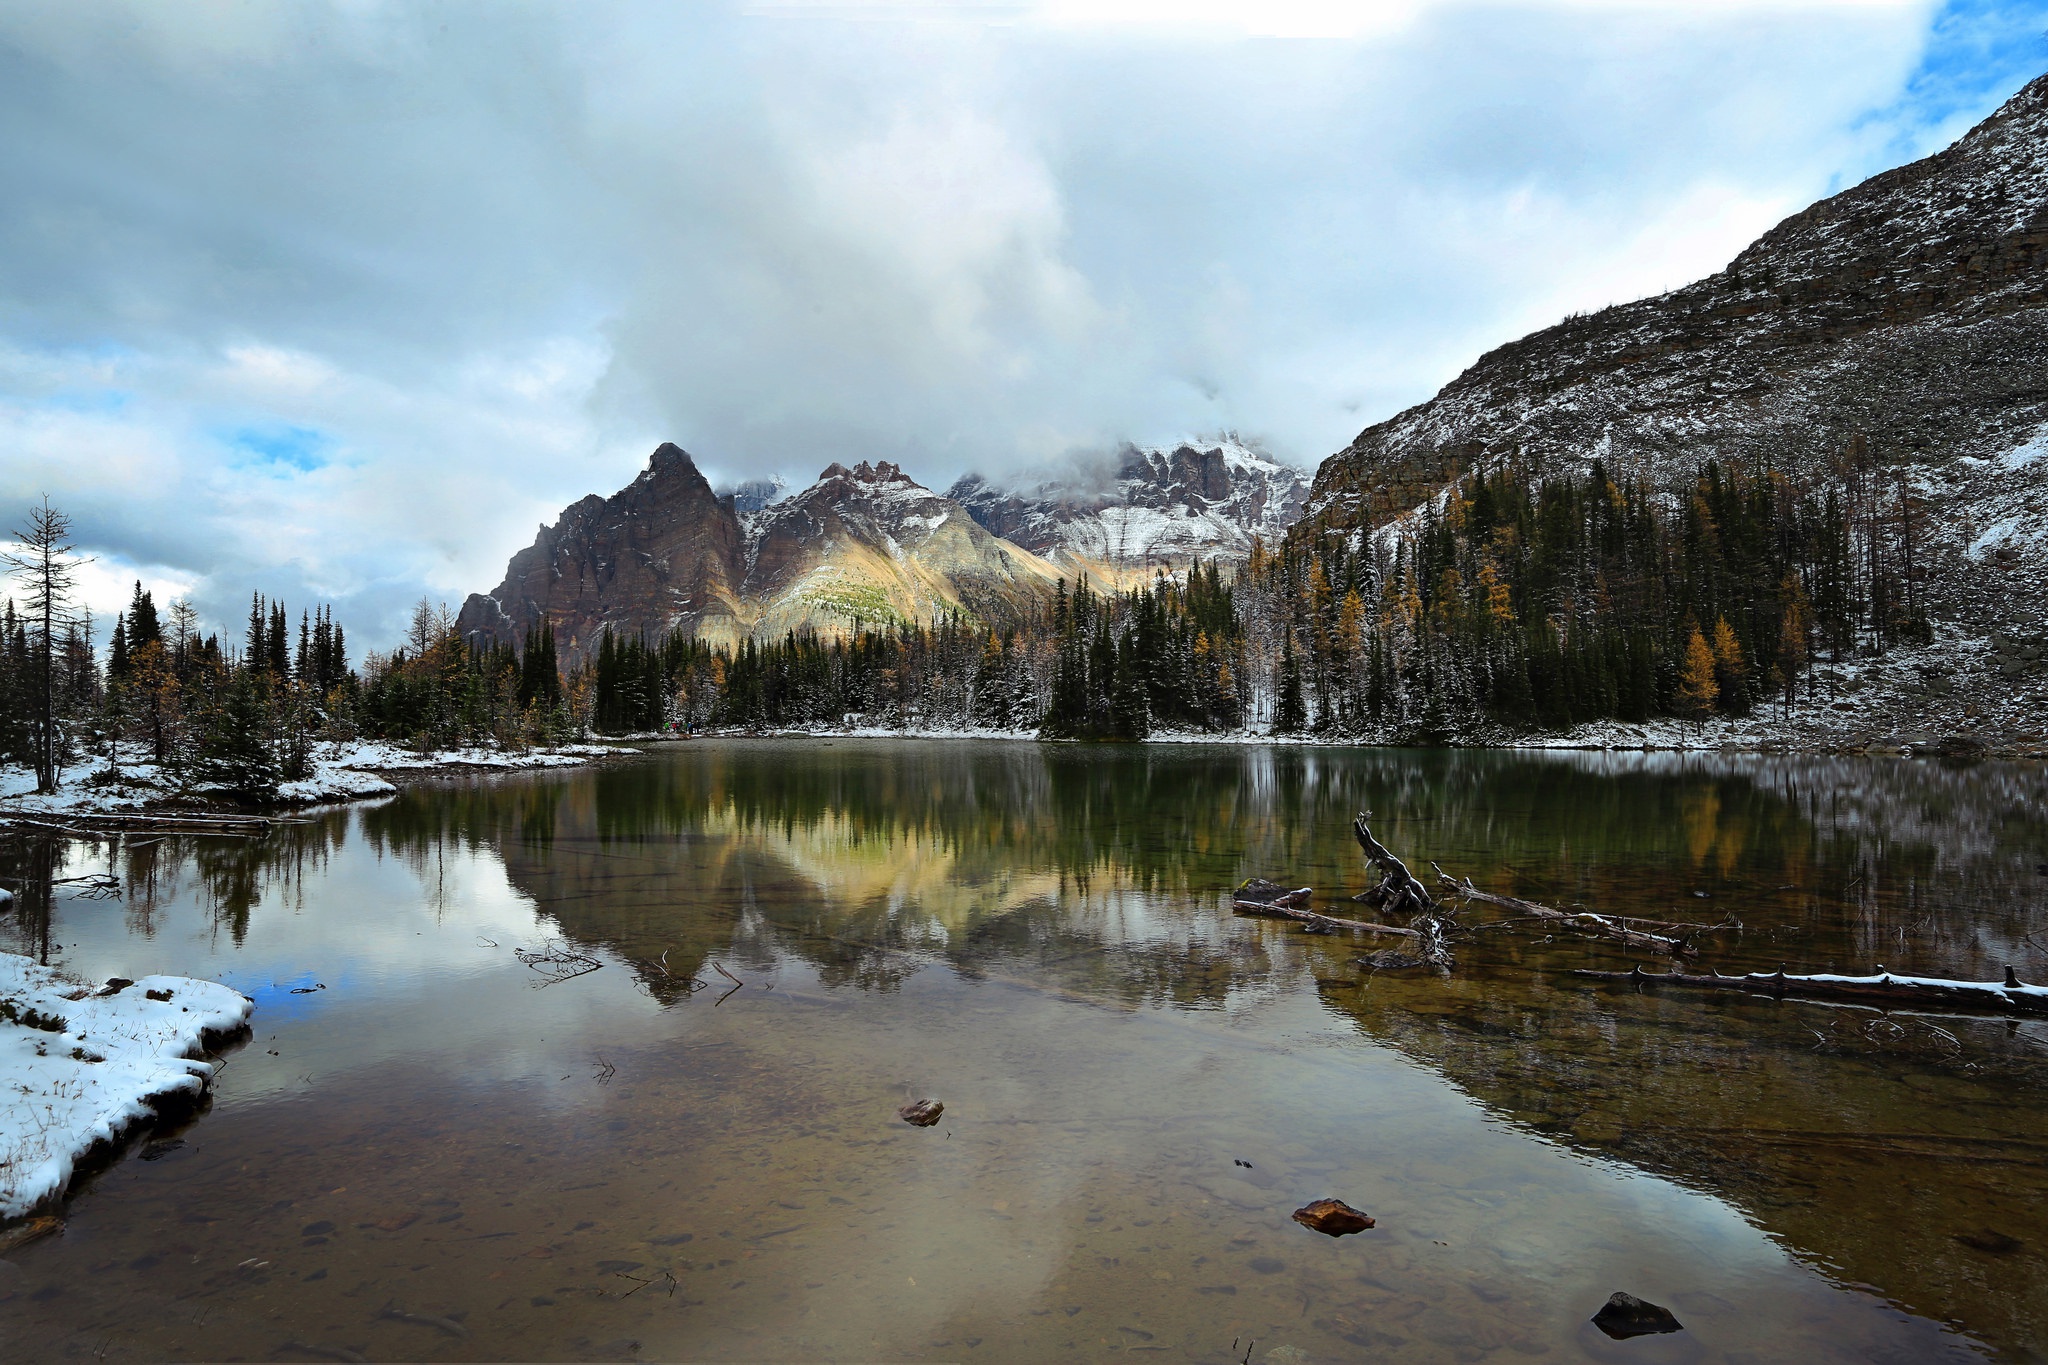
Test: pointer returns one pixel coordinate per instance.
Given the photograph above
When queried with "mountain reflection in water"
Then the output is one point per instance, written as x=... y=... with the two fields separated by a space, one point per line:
x=1051 y=923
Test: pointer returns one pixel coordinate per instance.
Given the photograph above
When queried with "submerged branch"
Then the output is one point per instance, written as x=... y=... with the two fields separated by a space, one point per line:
x=1606 y=926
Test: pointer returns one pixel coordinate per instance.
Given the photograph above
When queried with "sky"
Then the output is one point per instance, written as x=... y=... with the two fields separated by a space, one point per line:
x=338 y=300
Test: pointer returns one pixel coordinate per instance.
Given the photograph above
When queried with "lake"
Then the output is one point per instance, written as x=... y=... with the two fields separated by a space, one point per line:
x=431 y=1149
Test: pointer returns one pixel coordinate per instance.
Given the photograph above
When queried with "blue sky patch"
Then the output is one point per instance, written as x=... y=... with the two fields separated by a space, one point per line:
x=288 y=447
x=94 y=402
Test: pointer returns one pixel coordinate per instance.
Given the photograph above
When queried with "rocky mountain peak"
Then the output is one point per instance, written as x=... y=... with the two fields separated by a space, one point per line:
x=663 y=547
x=880 y=472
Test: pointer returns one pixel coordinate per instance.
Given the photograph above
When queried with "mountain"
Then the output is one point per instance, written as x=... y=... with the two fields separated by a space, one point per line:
x=1893 y=337
x=872 y=544
x=662 y=551
x=1145 y=507
x=862 y=544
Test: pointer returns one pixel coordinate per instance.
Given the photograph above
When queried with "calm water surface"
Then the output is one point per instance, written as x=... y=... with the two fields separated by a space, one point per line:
x=629 y=1165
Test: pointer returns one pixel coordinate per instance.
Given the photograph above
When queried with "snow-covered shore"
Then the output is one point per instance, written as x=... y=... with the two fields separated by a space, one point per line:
x=342 y=771
x=1751 y=734
x=80 y=1066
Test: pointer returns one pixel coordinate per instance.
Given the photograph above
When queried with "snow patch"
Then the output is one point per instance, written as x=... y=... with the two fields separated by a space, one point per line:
x=82 y=1066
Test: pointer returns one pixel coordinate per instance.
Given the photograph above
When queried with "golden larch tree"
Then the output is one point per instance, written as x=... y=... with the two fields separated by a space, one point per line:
x=1697 y=689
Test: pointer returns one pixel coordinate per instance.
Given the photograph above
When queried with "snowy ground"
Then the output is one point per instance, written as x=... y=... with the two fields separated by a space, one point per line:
x=342 y=771
x=81 y=1065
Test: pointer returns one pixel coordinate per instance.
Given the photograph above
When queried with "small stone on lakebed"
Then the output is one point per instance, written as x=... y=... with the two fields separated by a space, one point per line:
x=1624 y=1316
x=1332 y=1216
x=923 y=1113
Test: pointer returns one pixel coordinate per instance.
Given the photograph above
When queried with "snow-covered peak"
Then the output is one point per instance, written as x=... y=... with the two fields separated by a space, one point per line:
x=1143 y=505
x=755 y=494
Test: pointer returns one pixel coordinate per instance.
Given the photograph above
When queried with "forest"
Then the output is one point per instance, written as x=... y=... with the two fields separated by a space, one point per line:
x=1511 y=604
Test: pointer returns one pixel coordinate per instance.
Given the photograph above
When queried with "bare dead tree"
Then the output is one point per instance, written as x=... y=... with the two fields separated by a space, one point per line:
x=1398 y=890
x=44 y=561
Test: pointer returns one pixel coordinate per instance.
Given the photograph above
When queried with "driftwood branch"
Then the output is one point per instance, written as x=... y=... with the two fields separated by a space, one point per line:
x=1316 y=921
x=2011 y=996
x=1270 y=900
x=1398 y=890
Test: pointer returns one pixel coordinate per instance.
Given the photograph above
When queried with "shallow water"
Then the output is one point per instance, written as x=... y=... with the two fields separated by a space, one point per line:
x=435 y=1152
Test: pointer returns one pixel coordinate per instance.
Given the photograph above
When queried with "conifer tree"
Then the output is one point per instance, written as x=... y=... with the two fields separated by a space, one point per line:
x=1289 y=715
x=143 y=626
x=46 y=565
x=235 y=754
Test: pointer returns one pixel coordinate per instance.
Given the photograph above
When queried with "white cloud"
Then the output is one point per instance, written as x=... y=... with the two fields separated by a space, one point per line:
x=342 y=299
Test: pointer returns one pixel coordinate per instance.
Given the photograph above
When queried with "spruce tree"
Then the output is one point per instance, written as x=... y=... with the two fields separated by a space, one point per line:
x=1289 y=715
x=117 y=652
x=143 y=626
x=235 y=753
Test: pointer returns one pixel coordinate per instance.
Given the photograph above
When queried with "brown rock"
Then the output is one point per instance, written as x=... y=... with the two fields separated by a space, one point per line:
x=1332 y=1216
x=922 y=1113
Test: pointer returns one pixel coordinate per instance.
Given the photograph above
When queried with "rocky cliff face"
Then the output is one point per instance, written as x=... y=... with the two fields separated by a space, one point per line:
x=866 y=544
x=1147 y=508
x=663 y=550
x=1899 y=328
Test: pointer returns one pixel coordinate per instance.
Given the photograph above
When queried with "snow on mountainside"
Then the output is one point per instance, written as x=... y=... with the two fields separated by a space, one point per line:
x=1896 y=333
x=1145 y=507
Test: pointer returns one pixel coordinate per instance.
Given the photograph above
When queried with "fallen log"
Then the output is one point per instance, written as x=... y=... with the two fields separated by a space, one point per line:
x=2011 y=996
x=138 y=820
x=1262 y=892
x=1605 y=925
x=1274 y=910
x=1257 y=896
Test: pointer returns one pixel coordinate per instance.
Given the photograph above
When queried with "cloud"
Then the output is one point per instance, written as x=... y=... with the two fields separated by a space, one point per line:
x=340 y=300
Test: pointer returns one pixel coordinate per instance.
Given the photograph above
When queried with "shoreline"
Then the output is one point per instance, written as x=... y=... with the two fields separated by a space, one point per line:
x=369 y=771
x=346 y=771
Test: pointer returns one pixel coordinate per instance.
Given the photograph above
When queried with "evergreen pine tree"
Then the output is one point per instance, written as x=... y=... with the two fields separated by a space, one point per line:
x=143 y=626
x=117 y=652
x=236 y=755
x=1290 y=717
